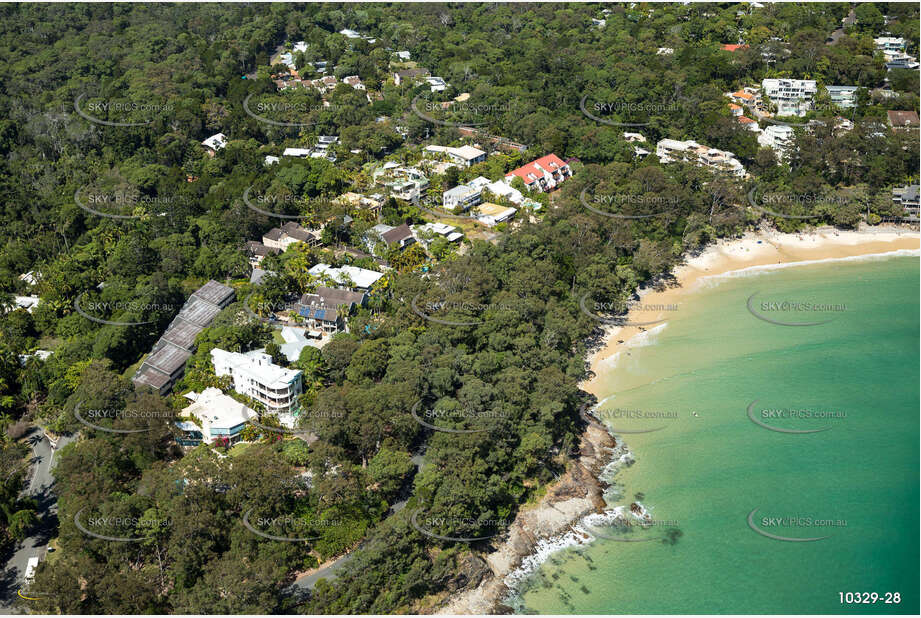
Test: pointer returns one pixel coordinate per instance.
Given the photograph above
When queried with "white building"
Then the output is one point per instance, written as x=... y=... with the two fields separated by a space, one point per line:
x=424 y=234
x=254 y=375
x=464 y=196
x=347 y=276
x=215 y=142
x=793 y=97
x=777 y=137
x=669 y=150
x=296 y=152
x=502 y=189
x=465 y=155
x=436 y=84
x=220 y=415
x=494 y=214
x=890 y=44
x=843 y=96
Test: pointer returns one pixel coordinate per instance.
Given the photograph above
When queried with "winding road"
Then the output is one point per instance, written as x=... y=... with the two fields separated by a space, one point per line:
x=40 y=487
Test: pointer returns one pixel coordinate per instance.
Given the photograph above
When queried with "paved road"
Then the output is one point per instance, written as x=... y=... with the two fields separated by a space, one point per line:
x=307 y=582
x=39 y=486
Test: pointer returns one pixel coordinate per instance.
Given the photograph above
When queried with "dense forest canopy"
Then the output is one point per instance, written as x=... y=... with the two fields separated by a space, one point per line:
x=168 y=76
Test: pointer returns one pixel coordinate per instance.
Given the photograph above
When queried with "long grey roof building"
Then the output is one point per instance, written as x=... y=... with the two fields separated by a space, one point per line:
x=166 y=362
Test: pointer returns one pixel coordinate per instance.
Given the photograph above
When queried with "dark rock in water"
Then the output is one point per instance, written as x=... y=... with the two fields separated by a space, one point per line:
x=672 y=535
x=505 y=610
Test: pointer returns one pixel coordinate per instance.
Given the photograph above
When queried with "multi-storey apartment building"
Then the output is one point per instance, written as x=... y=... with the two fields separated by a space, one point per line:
x=255 y=375
x=793 y=97
x=669 y=150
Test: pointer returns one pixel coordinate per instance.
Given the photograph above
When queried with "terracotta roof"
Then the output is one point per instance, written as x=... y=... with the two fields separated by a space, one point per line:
x=534 y=170
x=903 y=118
x=745 y=120
x=741 y=94
x=730 y=47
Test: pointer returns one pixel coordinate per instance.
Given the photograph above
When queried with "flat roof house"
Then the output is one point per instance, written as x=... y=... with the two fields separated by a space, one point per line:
x=777 y=137
x=464 y=196
x=669 y=150
x=359 y=279
x=793 y=97
x=542 y=174
x=493 y=214
x=220 y=415
x=843 y=96
x=255 y=375
x=464 y=155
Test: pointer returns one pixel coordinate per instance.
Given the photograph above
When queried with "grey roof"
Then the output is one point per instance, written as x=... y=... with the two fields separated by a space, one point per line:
x=198 y=311
x=169 y=358
x=148 y=376
x=297 y=232
x=397 y=234
x=332 y=298
x=182 y=333
x=257 y=276
x=274 y=234
x=459 y=191
x=214 y=292
x=257 y=248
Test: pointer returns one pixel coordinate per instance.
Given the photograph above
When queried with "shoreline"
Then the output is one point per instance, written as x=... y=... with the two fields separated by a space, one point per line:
x=553 y=523
x=754 y=251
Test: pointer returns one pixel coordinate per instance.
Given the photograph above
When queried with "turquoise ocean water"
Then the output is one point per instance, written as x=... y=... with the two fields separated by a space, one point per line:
x=707 y=466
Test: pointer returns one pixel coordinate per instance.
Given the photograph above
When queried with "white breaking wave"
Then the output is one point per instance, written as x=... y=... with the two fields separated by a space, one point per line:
x=763 y=269
x=578 y=534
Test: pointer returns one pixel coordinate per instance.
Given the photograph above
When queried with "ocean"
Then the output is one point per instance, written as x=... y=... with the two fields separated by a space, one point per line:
x=774 y=423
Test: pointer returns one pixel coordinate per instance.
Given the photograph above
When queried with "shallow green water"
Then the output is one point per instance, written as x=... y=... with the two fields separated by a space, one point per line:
x=703 y=474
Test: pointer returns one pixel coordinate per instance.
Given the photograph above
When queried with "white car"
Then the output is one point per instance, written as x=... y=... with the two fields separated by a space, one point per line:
x=30 y=569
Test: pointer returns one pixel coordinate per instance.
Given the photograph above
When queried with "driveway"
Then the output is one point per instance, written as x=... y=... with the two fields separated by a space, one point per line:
x=40 y=486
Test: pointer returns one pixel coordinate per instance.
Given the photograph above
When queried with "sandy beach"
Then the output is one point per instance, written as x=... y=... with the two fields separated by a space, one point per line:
x=546 y=526
x=761 y=248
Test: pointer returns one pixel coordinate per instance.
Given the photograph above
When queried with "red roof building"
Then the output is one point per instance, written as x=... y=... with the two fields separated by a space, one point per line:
x=542 y=174
x=731 y=48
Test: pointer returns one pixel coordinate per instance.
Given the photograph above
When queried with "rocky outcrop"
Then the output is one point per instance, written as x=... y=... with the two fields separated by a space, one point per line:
x=576 y=494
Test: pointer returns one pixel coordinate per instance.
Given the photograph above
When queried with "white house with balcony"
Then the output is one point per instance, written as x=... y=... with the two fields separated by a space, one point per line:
x=255 y=375
x=777 y=137
x=466 y=195
x=793 y=97
x=670 y=150
x=843 y=96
